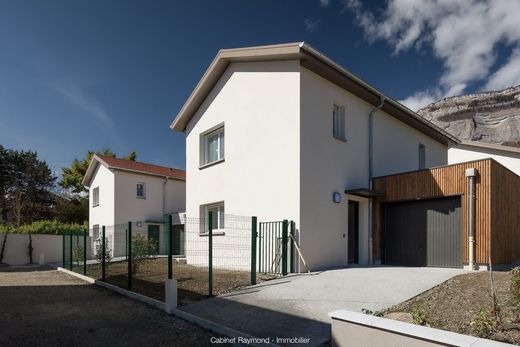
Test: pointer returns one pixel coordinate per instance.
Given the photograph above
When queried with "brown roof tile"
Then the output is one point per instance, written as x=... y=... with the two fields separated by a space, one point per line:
x=146 y=168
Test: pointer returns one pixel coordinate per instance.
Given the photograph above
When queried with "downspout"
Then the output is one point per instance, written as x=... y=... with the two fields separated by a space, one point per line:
x=371 y=119
x=164 y=196
x=471 y=174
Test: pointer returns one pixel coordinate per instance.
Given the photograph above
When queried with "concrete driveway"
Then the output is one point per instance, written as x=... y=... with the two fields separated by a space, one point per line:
x=297 y=305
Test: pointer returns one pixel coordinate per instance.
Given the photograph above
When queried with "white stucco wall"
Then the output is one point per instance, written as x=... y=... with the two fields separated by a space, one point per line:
x=463 y=153
x=329 y=165
x=103 y=214
x=396 y=147
x=46 y=249
x=258 y=103
x=128 y=207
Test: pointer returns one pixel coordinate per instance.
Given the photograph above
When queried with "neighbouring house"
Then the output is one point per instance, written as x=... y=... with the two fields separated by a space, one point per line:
x=283 y=132
x=122 y=191
x=471 y=150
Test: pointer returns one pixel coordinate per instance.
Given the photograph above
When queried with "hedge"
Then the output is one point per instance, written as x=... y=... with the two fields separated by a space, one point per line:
x=45 y=227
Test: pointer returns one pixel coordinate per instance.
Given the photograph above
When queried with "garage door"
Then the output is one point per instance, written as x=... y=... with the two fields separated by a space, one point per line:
x=422 y=233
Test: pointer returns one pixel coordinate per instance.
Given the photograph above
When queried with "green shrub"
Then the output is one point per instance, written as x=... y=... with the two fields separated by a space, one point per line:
x=45 y=227
x=142 y=250
x=482 y=324
x=77 y=255
x=99 y=252
x=372 y=313
x=419 y=317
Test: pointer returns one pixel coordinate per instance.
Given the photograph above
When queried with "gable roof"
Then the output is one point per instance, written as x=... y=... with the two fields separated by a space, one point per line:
x=506 y=150
x=113 y=163
x=319 y=64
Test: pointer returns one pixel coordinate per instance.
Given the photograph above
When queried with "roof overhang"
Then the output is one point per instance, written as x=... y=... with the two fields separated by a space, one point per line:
x=363 y=192
x=316 y=62
x=505 y=150
x=92 y=167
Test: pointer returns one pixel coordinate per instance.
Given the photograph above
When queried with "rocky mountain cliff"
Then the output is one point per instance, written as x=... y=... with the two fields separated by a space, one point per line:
x=492 y=117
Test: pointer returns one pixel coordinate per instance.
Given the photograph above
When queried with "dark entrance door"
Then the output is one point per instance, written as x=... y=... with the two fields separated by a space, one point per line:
x=177 y=230
x=353 y=232
x=153 y=235
x=422 y=233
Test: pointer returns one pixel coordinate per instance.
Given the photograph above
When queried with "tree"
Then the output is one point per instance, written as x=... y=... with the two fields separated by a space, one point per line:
x=71 y=208
x=3 y=181
x=72 y=177
x=25 y=187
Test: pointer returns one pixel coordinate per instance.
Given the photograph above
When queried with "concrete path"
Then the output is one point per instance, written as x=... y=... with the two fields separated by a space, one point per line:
x=297 y=305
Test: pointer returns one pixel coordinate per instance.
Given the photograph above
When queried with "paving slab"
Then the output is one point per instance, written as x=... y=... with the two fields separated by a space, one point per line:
x=297 y=306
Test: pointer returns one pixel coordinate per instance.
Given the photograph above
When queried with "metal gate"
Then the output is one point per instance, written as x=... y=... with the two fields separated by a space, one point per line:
x=275 y=247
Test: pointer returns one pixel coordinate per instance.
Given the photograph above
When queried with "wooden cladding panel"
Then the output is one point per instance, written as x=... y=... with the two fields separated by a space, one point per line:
x=440 y=182
x=505 y=216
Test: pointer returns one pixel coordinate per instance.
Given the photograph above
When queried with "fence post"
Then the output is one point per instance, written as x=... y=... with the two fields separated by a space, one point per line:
x=293 y=232
x=103 y=255
x=129 y=255
x=254 y=236
x=63 y=250
x=170 y=287
x=170 y=246
x=285 y=227
x=70 y=251
x=85 y=252
x=210 y=253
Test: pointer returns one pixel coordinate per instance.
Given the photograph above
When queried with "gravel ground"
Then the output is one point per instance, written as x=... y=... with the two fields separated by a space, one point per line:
x=43 y=307
x=454 y=304
x=192 y=281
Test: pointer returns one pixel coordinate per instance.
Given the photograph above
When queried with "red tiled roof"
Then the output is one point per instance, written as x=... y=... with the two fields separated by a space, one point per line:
x=137 y=166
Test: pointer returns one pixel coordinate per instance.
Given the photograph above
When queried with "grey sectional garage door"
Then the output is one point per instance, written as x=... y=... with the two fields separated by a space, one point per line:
x=422 y=233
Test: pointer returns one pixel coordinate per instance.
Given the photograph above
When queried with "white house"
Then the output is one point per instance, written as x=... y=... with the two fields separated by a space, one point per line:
x=123 y=190
x=471 y=150
x=283 y=132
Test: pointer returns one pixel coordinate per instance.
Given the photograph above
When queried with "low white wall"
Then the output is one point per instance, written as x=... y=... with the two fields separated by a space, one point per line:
x=17 y=248
x=358 y=329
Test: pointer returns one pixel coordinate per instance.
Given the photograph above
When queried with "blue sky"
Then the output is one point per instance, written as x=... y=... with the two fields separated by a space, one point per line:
x=84 y=75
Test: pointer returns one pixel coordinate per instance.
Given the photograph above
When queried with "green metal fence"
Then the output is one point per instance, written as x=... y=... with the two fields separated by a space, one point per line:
x=206 y=256
x=77 y=251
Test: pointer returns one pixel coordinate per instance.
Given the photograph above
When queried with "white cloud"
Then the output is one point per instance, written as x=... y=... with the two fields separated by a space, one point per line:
x=508 y=75
x=93 y=109
x=87 y=104
x=463 y=34
x=312 y=25
x=418 y=100
x=324 y=3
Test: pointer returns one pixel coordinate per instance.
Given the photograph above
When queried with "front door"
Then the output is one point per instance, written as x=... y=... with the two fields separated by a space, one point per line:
x=153 y=235
x=353 y=232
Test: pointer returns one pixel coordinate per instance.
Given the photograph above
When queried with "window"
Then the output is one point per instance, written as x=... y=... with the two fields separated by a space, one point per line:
x=422 y=156
x=141 y=190
x=95 y=232
x=95 y=197
x=338 y=122
x=217 y=213
x=213 y=146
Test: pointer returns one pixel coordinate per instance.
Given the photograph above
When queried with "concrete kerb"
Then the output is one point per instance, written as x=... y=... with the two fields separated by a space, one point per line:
x=207 y=324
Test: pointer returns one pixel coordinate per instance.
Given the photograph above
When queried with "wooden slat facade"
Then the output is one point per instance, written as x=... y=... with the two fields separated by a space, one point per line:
x=505 y=216
x=441 y=182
